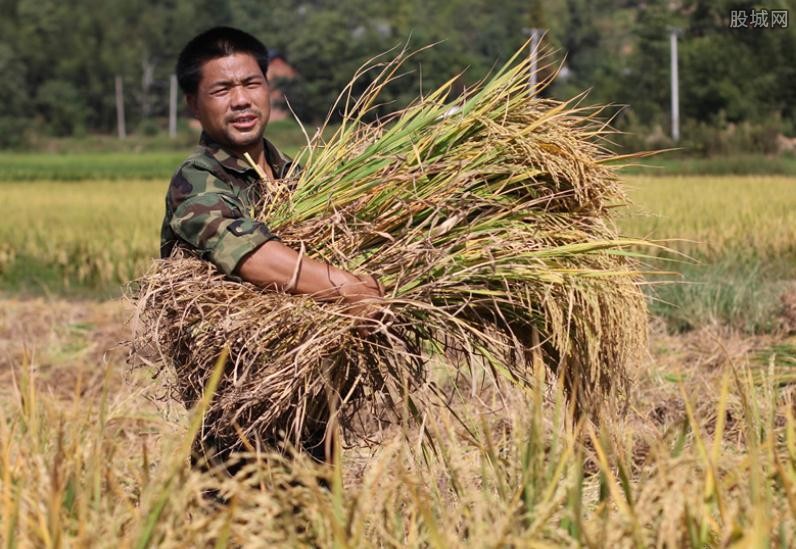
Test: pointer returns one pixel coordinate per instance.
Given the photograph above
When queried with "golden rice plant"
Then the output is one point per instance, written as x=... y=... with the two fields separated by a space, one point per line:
x=107 y=467
x=713 y=217
x=90 y=234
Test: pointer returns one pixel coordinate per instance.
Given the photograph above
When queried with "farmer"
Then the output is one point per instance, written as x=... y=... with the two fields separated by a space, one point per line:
x=211 y=198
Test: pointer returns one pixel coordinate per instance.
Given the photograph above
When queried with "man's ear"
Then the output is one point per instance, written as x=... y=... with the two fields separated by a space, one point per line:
x=190 y=100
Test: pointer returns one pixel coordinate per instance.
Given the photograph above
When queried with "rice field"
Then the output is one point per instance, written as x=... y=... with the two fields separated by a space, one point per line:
x=715 y=217
x=91 y=455
x=72 y=236
x=93 y=235
x=739 y=236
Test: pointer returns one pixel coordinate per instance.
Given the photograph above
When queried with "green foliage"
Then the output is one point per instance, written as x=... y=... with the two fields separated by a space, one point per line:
x=645 y=83
x=728 y=78
x=619 y=50
x=729 y=142
x=328 y=41
x=726 y=138
x=72 y=51
x=61 y=107
x=16 y=104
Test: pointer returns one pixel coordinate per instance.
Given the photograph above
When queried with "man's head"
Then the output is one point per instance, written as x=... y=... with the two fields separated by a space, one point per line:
x=222 y=72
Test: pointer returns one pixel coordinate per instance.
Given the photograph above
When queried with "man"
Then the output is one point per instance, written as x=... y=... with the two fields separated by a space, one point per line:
x=211 y=198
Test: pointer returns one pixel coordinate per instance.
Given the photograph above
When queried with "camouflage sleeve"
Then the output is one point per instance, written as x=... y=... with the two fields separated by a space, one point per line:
x=210 y=217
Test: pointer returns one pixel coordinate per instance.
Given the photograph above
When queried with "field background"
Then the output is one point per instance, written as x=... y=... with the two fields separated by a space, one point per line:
x=736 y=235
x=90 y=451
x=703 y=452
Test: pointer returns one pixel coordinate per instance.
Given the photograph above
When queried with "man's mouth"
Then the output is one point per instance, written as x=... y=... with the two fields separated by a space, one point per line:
x=244 y=122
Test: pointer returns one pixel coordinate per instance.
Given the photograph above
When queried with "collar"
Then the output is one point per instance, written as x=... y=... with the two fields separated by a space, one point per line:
x=279 y=162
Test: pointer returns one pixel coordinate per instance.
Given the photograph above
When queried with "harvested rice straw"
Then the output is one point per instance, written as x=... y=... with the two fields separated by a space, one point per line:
x=488 y=226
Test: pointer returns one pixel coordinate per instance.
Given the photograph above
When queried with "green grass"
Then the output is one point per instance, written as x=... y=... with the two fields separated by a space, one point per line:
x=737 y=292
x=155 y=157
x=672 y=163
x=83 y=166
x=108 y=158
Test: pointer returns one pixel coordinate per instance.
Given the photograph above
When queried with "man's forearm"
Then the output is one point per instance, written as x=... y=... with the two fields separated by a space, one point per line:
x=274 y=265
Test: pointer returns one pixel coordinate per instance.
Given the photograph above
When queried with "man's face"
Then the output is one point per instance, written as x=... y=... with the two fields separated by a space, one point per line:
x=232 y=101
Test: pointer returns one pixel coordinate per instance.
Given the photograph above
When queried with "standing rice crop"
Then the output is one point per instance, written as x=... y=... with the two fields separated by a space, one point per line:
x=488 y=224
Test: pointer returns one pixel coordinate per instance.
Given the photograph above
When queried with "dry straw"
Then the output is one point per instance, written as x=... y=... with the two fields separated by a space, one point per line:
x=489 y=225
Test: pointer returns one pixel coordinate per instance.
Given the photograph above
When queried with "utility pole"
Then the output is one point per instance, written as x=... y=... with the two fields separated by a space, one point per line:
x=173 y=106
x=675 y=82
x=120 y=109
x=536 y=37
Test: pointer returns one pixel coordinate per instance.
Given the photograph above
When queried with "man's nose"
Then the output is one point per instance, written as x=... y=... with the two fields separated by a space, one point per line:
x=239 y=99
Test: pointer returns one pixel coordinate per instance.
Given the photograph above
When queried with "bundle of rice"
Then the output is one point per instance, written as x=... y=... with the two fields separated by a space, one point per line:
x=488 y=225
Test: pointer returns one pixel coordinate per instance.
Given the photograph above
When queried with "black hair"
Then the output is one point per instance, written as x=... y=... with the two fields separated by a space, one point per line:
x=212 y=44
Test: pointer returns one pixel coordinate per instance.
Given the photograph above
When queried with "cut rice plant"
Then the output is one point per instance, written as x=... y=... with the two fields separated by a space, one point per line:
x=489 y=226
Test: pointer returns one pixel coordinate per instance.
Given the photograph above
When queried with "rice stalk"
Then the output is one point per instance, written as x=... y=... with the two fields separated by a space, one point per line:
x=491 y=231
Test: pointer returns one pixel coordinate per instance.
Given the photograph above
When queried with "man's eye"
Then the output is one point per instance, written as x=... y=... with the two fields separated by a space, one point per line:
x=219 y=91
x=254 y=84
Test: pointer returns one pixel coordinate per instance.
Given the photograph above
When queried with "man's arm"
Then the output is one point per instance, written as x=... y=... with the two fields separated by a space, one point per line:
x=209 y=217
x=278 y=266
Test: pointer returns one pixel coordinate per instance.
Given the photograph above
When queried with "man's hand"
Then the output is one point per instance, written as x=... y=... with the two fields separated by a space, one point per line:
x=360 y=288
x=365 y=295
x=274 y=265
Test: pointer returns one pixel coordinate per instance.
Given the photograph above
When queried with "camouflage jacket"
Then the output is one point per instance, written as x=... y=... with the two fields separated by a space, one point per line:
x=210 y=205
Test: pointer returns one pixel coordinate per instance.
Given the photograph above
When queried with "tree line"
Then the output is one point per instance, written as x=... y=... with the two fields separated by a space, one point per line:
x=59 y=58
